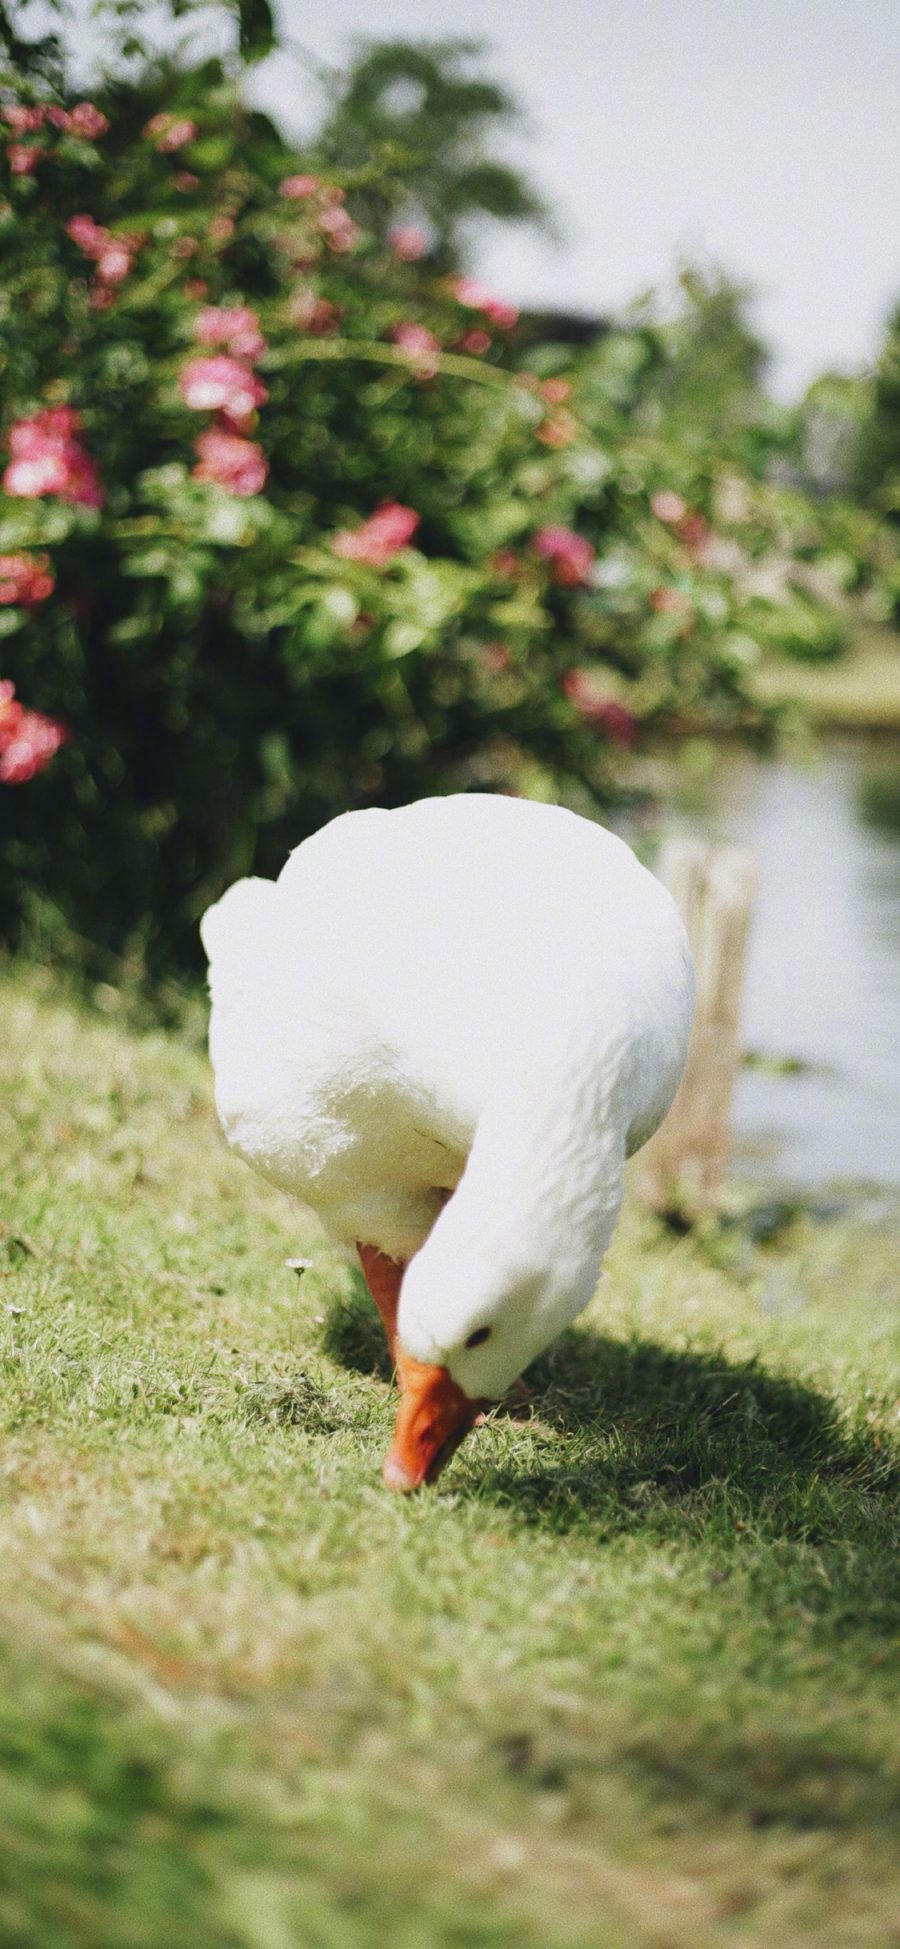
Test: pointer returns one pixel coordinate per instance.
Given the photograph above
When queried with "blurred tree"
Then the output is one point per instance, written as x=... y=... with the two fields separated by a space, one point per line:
x=21 y=54
x=416 y=126
x=708 y=385
x=132 y=27
x=879 y=448
x=833 y=420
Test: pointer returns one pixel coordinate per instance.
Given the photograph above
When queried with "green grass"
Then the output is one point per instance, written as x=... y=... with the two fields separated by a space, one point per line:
x=629 y=1677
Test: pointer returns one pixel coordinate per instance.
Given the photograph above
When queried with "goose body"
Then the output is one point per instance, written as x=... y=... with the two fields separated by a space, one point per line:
x=444 y=1028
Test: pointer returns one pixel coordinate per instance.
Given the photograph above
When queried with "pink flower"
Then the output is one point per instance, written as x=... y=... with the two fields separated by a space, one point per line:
x=48 y=458
x=221 y=228
x=476 y=343
x=389 y=529
x=408 y=242
x=23 y=161
x=316 y=315
x=170 y=132
x=221 y=384
x=113 y=255
x=60 y=118
x=691 y=527
x=90 y=237
x=467 y=291
x=595 y=707
x=185 y=181
x=338 y=228
x=667 y=601
x=571 y=558
x=114 y=264
x=240 y=465
x=28 y=739
x=496 y=658
x=559 y=429
x=668 y=507
x=25 y=579
x=22 y=119
x=88 y=121
x=503 y=315
x=296 y=187
x=694 y=531
x=55 y=422
x=236 y=326
x=421 y=345
x=556 y=391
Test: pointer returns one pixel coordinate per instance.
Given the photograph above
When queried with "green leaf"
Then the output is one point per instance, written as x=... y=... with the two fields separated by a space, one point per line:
x=211 y=152
x=402 y=637
x=341 y=604
x=227 y=523
x=256 y=29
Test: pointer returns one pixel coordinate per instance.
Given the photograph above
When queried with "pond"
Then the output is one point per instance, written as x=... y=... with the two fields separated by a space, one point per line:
x=819 y=1100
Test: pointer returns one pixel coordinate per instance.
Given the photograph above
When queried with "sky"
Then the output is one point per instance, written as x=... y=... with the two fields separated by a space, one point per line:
x=760 y=135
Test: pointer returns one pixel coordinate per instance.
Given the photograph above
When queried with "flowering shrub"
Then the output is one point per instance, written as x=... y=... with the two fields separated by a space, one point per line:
x=47 y=457
x=28 y=739
x=234 y=326
x=400 y=554
x=238 y=464
x=169 y=133
x=422 y=346
x=571 y=558
x=377 y=540
x=468 y=292
x=25 y=579
x=221 y=384
x=408 y=242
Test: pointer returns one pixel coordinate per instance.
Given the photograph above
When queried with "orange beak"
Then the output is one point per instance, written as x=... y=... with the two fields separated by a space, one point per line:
x=434 y=1417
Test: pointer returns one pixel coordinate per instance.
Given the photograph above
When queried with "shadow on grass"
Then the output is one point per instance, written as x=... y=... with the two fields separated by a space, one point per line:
x=635 y=1437
x=763 y=1472
x=637 y=1416
x=353 y=1336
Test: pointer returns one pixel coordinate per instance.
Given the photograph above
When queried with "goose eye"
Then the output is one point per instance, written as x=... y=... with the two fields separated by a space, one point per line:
x=479 y=1336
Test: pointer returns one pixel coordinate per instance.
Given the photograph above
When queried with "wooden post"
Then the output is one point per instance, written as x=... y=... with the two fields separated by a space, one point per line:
x=681 y=1169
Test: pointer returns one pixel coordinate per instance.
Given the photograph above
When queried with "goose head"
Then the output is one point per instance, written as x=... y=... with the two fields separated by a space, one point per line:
x=515 y=1254
x=466 y=1330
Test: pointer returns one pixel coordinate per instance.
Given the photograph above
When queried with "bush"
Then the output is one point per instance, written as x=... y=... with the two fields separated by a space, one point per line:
x=801 y=630
x=319 y=535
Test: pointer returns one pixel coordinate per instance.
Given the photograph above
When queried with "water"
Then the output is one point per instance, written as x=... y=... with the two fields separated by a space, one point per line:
x=823 y=974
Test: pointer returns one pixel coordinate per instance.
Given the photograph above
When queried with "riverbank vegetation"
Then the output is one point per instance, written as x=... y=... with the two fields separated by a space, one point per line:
x=859 y=691
x=296 y=516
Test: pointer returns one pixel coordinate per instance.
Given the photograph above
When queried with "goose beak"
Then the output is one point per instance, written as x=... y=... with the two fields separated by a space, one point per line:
x=434 y=1417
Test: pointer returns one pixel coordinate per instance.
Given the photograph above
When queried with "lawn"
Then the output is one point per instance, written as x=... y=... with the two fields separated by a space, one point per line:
x=628 y=1677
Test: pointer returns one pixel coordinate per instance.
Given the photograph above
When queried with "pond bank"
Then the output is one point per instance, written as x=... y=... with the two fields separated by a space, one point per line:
x=819 y=1102
x=857 y=692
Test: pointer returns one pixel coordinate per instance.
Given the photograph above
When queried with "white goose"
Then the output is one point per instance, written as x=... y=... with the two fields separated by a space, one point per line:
x=445 y=1028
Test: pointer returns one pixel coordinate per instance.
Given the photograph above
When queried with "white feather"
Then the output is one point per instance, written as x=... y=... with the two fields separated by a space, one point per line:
x=477 y=992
